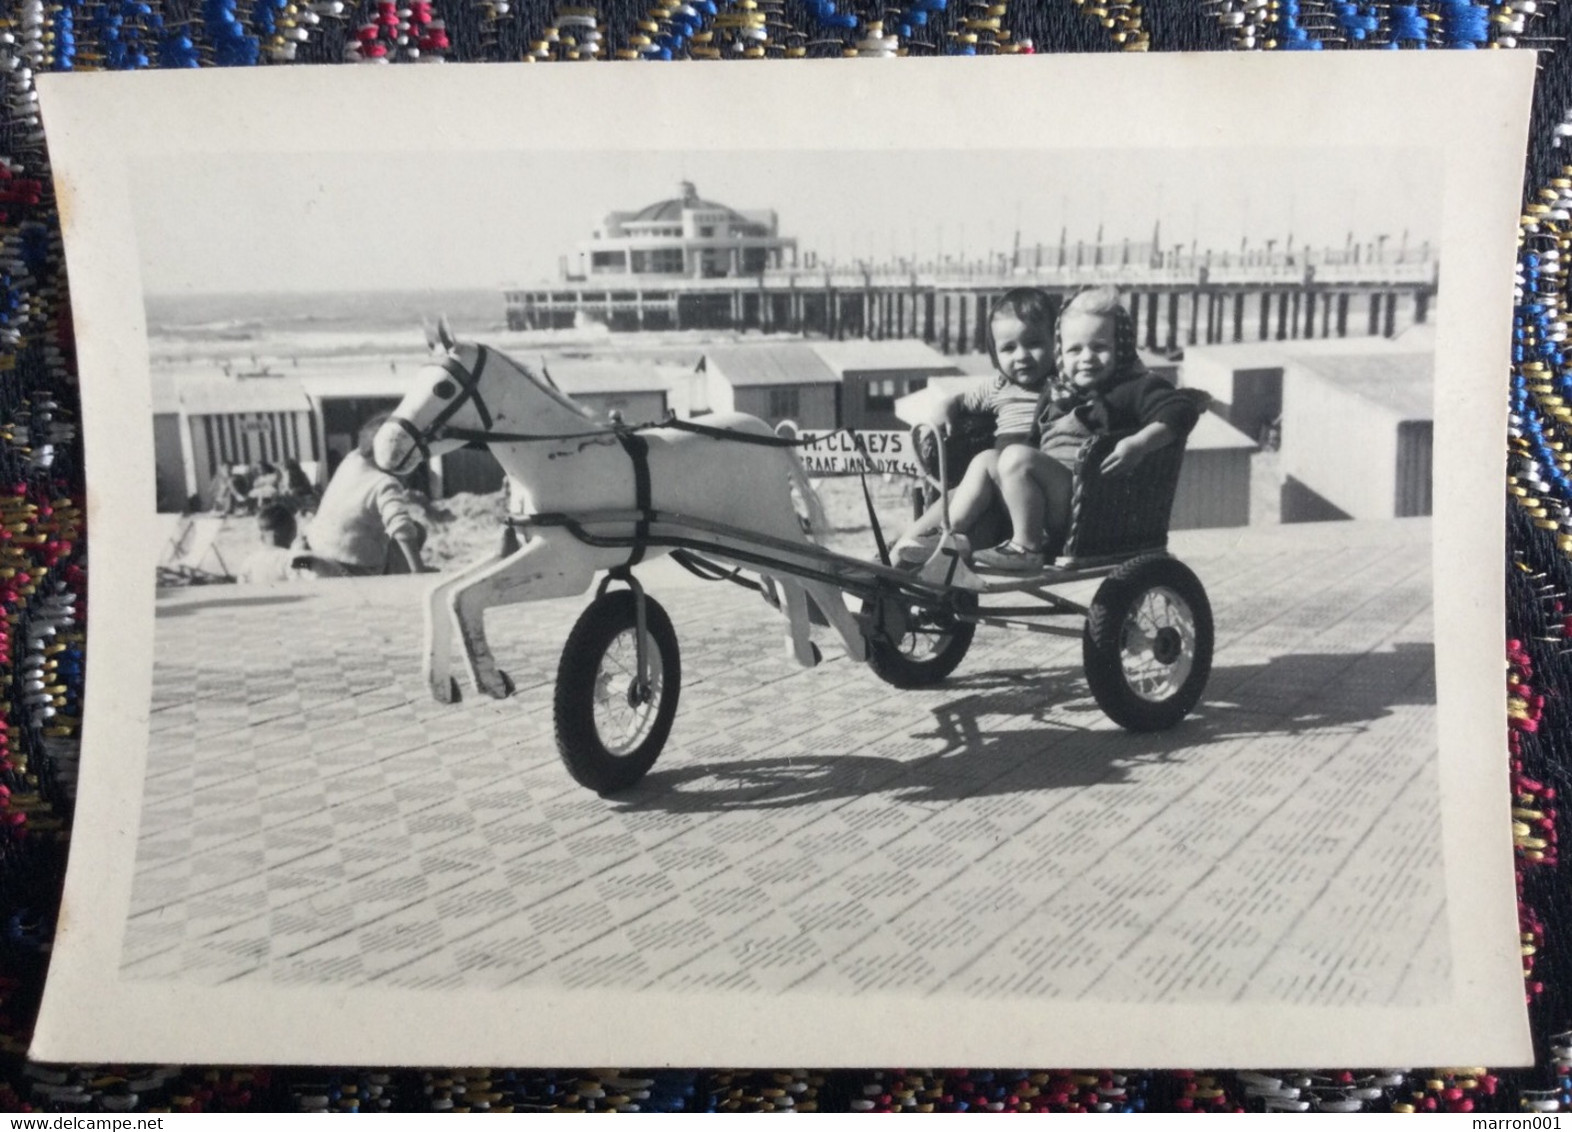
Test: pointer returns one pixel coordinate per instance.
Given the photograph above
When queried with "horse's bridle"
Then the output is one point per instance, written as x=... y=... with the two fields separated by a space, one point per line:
x=469 y=390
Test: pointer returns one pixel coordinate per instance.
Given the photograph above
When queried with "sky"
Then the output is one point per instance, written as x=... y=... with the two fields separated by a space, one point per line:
x=326 y=222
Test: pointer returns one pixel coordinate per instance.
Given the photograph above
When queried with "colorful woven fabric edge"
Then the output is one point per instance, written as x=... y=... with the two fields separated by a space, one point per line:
x=42 y=549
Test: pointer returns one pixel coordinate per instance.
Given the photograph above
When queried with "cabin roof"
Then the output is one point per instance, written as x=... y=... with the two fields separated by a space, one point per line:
x=1416 y=340
x=165 y=392
x=205 y=395
x=1212 y=433
x=973 y=365
x=371 y=383
x=861 y=355
x=770 y=363
x=1400 y=383
x=585 y=377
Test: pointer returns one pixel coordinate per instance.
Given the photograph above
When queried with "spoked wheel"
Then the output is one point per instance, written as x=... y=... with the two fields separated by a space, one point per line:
x=610 y=727
x=1148 y=643
x=913 y=646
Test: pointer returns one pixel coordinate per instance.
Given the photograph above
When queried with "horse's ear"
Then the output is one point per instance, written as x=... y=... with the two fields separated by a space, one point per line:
x=445 y=333
x=431 y=337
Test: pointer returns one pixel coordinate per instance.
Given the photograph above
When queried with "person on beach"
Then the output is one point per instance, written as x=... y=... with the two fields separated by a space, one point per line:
x=274 y=561
x=365 y=517
x=298 y=489
x=231 y=490
x=1101 y=387
x=267 y=484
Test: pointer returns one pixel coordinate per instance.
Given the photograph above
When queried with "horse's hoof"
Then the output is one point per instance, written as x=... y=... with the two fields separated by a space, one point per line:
x=812 y=660
x=451 y=693
x=502 y=689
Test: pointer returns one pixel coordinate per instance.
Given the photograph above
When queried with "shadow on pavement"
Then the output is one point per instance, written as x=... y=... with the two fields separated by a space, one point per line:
x=1057 y=748
x=186 y=608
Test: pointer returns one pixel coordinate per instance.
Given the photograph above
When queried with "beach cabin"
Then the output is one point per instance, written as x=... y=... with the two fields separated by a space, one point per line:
x=775 y=381
x=1214 y=480
x=874 y=375
x=1245 y=381
x=1357 y=437
x=346 y=397
x=640 y=391
x=174 y=490
x=205 y=424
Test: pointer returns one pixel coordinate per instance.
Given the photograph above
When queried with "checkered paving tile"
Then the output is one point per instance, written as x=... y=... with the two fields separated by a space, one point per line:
x=311 y=817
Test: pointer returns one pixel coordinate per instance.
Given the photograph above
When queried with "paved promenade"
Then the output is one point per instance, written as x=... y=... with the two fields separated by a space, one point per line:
x=311 y=817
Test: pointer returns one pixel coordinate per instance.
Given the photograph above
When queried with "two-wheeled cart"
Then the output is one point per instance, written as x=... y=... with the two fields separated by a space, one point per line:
x=1146 y=635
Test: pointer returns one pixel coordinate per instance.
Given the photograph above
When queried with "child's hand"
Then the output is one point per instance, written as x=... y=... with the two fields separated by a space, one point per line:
x=1126 y=455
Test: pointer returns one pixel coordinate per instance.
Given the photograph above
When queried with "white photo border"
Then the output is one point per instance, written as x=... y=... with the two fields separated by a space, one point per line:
x=1470 y=107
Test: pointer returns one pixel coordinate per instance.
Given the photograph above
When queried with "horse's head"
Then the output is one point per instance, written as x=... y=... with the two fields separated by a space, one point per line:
x=466 y=393
x=446 y=407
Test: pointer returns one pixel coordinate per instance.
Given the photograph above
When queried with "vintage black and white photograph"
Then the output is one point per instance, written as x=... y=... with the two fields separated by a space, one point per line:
x=986 y=579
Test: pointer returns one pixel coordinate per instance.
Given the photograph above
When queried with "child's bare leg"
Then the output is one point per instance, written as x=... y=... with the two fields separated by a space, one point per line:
x=1036 y=490
x=1058 y=493
x=968 y=501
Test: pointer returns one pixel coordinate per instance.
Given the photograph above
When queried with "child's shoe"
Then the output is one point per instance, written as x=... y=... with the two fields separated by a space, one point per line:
x=1008 y=558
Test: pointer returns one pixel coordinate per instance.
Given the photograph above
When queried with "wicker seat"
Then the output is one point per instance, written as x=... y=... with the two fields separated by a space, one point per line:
x=1111 y=518
x=1117 y=517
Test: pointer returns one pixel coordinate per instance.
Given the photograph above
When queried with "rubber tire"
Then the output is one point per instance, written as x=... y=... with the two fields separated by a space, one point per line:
x=894 y=667
x=578 y=741
x=1101 y=646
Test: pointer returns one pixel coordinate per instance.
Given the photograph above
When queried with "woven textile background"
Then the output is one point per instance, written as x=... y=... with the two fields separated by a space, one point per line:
x=43 y=547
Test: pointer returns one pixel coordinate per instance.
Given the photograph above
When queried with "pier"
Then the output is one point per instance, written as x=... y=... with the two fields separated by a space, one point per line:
x=1178 y=298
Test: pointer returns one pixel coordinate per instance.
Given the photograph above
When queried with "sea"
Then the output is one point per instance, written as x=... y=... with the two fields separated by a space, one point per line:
x=262 y=317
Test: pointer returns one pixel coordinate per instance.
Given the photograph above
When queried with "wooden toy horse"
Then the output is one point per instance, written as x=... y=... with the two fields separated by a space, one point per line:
x=561 y=460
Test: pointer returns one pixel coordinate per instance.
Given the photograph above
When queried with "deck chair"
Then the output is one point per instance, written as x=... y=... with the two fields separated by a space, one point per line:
x=191 y=556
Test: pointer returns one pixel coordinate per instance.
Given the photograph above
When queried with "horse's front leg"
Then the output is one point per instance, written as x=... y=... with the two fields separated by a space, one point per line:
x=794 y=605
x=440 y=624
x=542 y=568
x=832 y=603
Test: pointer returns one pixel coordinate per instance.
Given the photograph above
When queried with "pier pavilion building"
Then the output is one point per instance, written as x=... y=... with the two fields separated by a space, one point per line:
x=637 y=271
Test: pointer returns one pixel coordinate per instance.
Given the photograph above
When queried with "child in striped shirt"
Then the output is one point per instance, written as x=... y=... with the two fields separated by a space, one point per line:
x=1021 y=343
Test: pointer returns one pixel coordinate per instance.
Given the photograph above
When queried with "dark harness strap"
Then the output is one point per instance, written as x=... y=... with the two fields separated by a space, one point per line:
x=473 y=435
x=414 y=434
x=867 y=498
x=638 y=450
x=479 y=436
x=730 y=434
